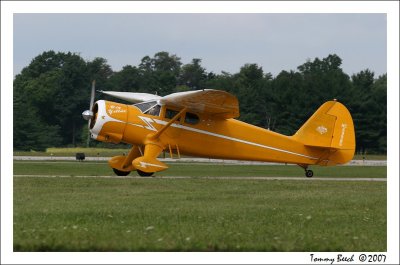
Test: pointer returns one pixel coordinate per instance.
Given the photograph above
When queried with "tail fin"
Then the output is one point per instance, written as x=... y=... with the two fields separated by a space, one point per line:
x=330 y=128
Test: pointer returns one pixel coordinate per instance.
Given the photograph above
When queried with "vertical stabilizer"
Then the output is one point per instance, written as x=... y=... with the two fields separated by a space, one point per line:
x=330 y=127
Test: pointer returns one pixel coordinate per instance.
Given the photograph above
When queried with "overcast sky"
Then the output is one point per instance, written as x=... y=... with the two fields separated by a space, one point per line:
x=224 y=42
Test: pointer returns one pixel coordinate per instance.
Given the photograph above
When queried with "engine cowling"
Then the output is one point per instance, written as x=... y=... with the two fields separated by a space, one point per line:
x=109 y=121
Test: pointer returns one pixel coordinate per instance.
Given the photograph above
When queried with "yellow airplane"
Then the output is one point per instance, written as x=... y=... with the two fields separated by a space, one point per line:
x=202 y=123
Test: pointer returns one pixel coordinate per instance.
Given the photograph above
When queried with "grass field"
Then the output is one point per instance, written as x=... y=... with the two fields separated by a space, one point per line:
x=198 y=214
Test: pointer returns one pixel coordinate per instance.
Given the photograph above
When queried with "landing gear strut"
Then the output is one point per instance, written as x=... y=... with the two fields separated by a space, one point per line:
x=309 y=173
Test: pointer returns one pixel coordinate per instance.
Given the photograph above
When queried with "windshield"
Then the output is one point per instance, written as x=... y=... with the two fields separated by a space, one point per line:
x=144 y=106
x=151 y=107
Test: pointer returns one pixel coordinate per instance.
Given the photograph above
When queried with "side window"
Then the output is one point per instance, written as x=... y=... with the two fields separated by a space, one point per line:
x=155 y=111
x=191 y=118
x=169 y=113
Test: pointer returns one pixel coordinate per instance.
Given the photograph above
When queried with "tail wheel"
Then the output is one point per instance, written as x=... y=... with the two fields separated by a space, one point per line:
x=309 y=173
x=120 y=172
x=144 y=174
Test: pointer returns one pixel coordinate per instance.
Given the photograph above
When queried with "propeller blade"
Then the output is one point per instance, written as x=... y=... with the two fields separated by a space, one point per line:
x=88 y=114
x=92 y=95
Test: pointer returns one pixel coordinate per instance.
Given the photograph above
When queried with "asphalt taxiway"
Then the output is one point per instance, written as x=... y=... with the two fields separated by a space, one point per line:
x=191 y=160
x=222 y=178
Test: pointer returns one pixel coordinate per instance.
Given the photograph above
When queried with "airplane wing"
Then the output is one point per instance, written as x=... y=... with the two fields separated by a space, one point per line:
x=132 y=97
x=217 y=103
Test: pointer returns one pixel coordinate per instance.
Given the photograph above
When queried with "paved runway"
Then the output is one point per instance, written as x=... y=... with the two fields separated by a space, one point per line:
x=192 y=160
x=223 y=178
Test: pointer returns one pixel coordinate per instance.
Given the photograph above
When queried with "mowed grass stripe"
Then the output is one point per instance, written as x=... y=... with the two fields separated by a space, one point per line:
x=96 y=214
x=197 y=170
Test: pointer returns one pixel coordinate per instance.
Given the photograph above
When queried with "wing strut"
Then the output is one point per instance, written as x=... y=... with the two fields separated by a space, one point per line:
x=133 y=153
x=177 y=116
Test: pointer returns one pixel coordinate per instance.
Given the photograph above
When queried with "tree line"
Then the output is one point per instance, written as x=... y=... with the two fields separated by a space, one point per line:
x=53 y=90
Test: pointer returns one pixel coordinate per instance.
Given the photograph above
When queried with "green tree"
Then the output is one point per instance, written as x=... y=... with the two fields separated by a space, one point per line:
x=297 y=95
x=166 y=72
x=324 y=80
x=160 y=74
x=369 y=111
x=193 y=75
x=99 y=70
x=29 y=132
x=379 y=93
x=288 y=102
x=51 y=93
x=224 y=81
x=147 y=76
x=55 y=88
x=250 y=88
x=128 y=79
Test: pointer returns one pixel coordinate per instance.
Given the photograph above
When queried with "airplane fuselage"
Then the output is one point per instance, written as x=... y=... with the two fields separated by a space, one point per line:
x=215 y=138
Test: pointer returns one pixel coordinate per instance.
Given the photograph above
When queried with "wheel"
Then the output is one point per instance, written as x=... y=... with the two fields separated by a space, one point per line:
x=144 y=174
x=121 y=173
x=309 y=173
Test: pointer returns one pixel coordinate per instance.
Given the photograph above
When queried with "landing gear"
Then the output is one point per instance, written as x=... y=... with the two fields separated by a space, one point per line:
x=121 y=173
x=144 y=174
x=126 y=173
x=309 y=173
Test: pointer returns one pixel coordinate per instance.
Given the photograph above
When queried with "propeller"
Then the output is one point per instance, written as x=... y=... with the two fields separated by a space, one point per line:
x=88 y=114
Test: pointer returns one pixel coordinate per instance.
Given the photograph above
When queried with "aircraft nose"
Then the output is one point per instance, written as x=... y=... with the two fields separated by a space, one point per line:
x=91 y=116
x=108 y=121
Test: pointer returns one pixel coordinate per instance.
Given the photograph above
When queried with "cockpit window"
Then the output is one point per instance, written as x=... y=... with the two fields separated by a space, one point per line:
x=155 y=110
x=145 y=106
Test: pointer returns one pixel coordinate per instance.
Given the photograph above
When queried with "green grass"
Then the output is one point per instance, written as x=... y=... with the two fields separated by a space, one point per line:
x=198 y=214
x=86 y=168
x=155 y=214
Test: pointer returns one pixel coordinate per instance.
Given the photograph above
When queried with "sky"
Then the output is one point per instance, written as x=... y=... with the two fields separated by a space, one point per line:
x=224 y=42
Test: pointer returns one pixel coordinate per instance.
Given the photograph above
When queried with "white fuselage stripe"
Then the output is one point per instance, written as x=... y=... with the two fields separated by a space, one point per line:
x=233 y=139
x=217 y=135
